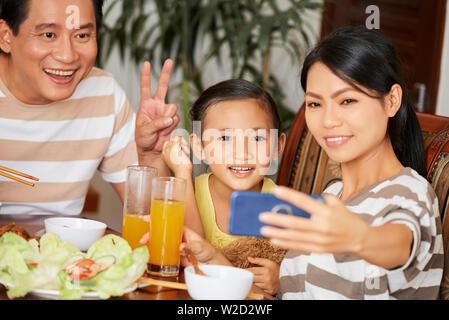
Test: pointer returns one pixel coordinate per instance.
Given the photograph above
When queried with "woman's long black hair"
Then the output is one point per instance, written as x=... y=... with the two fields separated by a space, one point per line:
x=363 y=57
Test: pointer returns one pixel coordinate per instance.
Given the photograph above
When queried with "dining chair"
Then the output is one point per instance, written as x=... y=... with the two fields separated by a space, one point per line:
x=92 y=202
x=306 y=167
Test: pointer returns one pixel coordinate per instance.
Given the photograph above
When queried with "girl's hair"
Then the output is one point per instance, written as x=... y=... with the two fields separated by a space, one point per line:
x=234 y=89
x=363 y=57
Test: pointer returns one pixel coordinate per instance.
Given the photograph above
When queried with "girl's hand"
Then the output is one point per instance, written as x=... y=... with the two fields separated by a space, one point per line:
x=203 y=250
x=331 y=228
x=174 y=154
x=266 y=276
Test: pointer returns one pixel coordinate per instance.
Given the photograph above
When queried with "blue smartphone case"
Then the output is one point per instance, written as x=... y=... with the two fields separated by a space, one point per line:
x=247 y=205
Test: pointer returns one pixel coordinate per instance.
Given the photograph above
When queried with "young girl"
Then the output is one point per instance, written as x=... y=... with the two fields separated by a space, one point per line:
x=238 y=137
x=378 y=234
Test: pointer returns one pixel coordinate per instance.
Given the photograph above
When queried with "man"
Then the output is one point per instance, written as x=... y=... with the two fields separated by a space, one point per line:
x=61 y=119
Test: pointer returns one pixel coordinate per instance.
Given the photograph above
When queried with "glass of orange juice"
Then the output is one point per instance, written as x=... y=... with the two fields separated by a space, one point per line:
x=137 y=203
x=166 y=223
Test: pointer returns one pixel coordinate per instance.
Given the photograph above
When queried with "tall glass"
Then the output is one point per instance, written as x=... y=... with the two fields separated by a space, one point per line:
x=167 y=220
x=137 y=203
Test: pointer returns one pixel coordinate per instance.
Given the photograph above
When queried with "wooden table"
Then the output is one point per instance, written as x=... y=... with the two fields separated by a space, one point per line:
x=36 y=223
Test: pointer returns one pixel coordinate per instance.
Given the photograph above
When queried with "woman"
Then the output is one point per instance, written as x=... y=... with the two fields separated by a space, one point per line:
x=378 y=234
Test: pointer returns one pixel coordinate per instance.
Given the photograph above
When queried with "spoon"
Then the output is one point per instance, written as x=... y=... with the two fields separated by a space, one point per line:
x=192 y=259
x=183 y=286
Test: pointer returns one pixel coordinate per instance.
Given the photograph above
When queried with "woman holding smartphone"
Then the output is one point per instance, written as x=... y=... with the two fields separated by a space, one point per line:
x=378 y=234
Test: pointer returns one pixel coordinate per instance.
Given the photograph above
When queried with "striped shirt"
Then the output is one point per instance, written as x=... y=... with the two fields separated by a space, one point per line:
x=63 y=144
x=406 y=198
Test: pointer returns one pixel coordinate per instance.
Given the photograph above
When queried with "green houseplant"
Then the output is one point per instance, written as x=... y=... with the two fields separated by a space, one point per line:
x=193 y=32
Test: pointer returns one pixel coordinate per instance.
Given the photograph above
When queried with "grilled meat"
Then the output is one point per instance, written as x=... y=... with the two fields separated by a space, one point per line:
x=13 y=227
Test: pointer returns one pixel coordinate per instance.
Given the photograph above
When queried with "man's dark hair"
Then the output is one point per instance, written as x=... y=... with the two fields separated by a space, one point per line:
x=15 y=12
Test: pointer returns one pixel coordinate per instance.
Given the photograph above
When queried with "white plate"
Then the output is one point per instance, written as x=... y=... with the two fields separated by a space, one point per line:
x=92 y=295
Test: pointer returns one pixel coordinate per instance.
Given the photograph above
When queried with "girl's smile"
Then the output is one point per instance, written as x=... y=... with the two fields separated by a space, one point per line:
x=242 y=171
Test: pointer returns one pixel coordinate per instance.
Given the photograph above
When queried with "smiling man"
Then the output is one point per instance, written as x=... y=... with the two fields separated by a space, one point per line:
x=61 y=118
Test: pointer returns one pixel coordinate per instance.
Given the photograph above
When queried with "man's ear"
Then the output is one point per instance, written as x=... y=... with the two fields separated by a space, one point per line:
x=393 y=100
x=5 y=36
x=196 y=146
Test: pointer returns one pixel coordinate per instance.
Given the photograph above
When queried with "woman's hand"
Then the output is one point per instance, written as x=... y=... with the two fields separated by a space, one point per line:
x=146 y=237
x=174 y=154
x=331 y=228
x=266 y=276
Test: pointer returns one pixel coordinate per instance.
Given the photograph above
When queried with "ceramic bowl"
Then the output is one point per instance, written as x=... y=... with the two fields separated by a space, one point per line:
x=219 y=283
x=81 y=232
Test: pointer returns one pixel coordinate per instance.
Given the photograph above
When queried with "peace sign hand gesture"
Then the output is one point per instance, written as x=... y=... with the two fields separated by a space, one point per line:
x=155 y=119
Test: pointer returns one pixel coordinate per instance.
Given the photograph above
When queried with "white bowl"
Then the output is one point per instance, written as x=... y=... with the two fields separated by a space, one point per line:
x=81 y=232
x=220 y=283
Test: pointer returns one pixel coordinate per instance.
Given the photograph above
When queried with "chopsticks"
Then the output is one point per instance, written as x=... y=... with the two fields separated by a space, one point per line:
x=19 y=174
x=163 y=283
x=183 y=286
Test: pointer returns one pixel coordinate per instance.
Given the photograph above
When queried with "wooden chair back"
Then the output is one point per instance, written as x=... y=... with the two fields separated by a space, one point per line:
x=306 y=167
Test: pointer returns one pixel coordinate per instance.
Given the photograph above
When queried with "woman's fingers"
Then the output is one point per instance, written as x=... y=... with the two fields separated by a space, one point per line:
x=299 y=246
x=288 y=221
x=145 y=238
x=294 y=235
x=301 y=200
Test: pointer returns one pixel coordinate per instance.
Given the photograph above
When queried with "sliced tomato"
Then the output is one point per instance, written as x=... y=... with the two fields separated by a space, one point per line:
x=31 y=263
x=83 y=269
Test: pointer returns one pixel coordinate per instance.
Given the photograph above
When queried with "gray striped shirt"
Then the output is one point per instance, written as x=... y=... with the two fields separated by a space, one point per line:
x=406 y=198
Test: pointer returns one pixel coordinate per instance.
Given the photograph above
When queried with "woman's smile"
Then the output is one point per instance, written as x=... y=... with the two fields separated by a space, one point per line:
x=336 y=141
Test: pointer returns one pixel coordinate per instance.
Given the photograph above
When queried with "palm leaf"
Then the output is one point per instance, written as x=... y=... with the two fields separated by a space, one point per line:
x=193 y=32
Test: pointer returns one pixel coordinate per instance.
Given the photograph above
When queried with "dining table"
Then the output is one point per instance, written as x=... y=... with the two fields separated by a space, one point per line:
x=34 y=226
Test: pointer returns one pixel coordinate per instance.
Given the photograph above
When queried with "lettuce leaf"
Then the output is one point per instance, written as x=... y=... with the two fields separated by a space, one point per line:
x=128 y=267
x=50 y=257
x=125 y=266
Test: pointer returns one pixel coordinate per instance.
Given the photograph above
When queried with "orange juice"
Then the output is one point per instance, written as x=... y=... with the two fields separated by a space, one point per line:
x=167 y=219
x=134 y=228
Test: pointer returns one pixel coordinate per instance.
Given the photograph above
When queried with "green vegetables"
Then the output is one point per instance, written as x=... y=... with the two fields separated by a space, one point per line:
x=109 y=266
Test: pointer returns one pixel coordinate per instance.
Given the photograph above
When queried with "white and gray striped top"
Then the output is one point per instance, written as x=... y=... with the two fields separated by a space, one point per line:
x=405 y=198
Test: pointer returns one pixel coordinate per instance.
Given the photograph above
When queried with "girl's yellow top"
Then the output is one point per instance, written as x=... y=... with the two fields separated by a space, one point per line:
x=206 y=208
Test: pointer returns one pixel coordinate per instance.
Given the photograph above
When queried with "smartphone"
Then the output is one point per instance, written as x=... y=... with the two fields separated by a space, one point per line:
x=247 y=205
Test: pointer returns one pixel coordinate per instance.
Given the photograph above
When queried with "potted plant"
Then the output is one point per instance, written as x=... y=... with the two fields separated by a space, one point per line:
x=193 y=32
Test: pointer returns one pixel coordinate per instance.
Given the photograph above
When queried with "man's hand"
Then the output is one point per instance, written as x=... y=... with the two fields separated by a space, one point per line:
x=155 y=119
